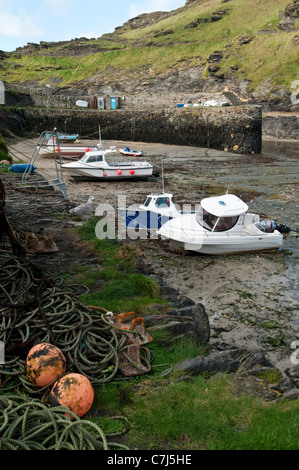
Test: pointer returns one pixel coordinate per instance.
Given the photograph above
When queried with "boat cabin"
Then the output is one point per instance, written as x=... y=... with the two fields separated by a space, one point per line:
x=96 y=155
x=92 y=157
x=156 y=202
x=221 y=213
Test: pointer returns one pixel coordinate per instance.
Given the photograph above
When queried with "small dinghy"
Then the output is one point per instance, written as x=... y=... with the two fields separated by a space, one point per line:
x=131 y=153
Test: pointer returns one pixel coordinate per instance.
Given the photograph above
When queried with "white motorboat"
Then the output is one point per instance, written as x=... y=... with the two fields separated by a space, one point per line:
x=155 y=210
x=131 y=153
x=51 y=148
x=94 y=165
x=222 y=225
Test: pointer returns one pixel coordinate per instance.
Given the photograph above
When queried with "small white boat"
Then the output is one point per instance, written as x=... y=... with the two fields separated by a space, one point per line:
x=67 y=151
x=82 y=103
x=155 y=210
x=131 y=153
x=94 y=165
x=222 y=225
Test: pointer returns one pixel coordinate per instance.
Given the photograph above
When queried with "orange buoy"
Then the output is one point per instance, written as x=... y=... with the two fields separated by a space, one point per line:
x=73 y=391
x=44 y=364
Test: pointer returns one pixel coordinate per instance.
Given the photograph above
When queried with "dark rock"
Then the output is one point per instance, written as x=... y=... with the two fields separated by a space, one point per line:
x=291 y=394
x=163 y=33
x=215 y=57
x=288 y=16
x=233 y=361
x=184 y=319
x=245 y=40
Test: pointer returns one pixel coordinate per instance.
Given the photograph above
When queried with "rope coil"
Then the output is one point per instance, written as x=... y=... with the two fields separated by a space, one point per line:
x=33 y=309
x=27 y=424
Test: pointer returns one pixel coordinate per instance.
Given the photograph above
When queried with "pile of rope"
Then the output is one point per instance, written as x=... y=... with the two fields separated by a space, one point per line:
x=27 y=424
x=35 y=310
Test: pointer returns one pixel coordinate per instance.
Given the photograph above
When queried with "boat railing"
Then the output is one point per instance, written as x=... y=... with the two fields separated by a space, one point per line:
x=29 y=181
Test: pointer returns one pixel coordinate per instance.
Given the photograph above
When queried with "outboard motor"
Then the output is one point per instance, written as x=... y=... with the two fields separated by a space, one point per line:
x=284 y=229
x=267 y=226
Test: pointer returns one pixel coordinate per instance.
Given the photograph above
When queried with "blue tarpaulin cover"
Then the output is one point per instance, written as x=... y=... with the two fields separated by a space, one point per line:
x=22 y=167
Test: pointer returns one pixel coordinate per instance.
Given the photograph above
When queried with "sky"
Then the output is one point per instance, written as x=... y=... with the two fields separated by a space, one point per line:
x=62 y=20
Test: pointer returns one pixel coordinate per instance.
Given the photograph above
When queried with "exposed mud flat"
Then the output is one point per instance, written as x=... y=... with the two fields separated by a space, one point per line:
x=252 y=299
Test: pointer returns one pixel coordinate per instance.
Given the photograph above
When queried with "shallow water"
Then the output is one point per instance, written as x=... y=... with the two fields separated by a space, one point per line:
x=285 y=211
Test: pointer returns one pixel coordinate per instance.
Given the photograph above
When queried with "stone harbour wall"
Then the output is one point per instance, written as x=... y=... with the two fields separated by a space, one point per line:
x=229 y=128
x=281 y=127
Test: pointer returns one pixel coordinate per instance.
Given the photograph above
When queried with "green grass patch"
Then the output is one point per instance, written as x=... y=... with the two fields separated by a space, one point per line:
x=115 y=284
x=133 y=292
x=199 y=414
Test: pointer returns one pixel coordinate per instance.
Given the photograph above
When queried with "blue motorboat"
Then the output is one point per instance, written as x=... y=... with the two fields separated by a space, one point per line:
x=71 y=138
x=152 y=214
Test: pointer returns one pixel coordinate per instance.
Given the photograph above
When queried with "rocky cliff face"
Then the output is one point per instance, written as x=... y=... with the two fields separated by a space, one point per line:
x=165 y=30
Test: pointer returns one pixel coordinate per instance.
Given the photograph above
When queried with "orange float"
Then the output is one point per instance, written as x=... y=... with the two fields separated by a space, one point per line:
x=44 y=364
x=73 y=391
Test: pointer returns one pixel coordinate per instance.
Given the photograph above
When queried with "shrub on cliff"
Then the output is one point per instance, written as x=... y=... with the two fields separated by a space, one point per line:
x=3 y=150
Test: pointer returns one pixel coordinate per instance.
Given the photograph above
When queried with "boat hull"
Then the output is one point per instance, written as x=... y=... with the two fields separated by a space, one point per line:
x=140 y=219
x=235 y=245
x=131 y=154
x=71 y=152
x=108 y=173
x=65 y=138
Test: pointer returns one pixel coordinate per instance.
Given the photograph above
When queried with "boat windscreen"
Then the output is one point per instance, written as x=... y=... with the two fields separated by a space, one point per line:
x=146 y=201
x=213 y=223
x=94 y=158
x=162 y=202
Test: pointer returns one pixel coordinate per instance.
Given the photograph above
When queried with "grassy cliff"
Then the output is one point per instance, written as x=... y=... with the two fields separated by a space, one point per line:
x=224 y=40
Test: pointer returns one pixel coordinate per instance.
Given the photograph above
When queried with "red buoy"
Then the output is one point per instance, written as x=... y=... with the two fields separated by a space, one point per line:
x=132 y=172
x=73 y=391
x=119 y=172
x=44 y=364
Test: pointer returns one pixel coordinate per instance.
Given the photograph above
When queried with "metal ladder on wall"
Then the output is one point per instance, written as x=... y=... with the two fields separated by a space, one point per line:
x=28 y=181
x=133 y=128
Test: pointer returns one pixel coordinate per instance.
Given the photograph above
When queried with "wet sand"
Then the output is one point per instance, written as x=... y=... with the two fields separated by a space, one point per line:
x=251 y=300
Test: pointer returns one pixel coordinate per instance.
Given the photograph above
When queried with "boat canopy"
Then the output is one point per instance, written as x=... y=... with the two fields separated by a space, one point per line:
x=227 y=205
